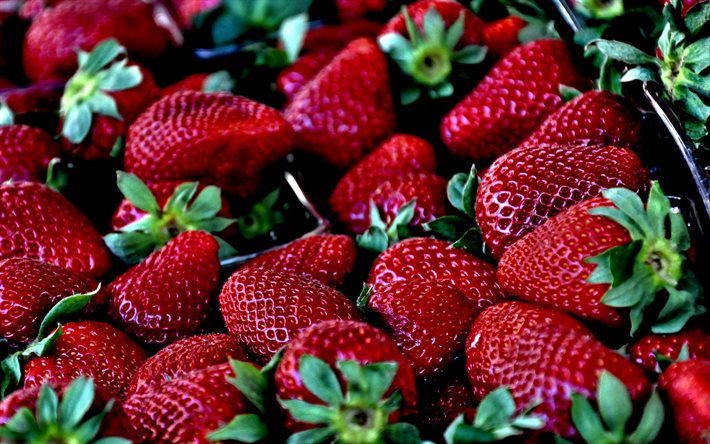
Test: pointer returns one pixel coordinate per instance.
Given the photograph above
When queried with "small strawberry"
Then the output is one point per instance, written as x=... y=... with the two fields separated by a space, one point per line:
x=501 y=36
x=216 y=138
x=527 y=186
x=355 y=9
x=39 y=223
x=215 y=82
x=651 y=350
x=265 y=308
x=166 y=297
x=25 y=153
x=347 y=109
x=609 y=258
x=687 y=386
x=295 y=76
x=516 y=96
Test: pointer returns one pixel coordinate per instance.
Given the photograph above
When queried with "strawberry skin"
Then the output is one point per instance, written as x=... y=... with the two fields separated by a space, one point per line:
x=265 y=308
x=355 y=9
x=516 y=96
x=216 y=138
x=25 y=153
x=187 y=10
x=429 y=191
x=442 y=402
x=542 y=355
x=501 y=36
x=347 y=109
x=292 y=78
x=687 y=386
x=336 y=37
x=327 y=258
x=645 y=350
x=527 y=186
x=166 y=297
x=39 y=223
x=89 y=348
x=428 y=258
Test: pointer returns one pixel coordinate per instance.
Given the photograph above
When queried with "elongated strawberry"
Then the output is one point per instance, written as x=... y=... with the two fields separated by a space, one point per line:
x=527 y=186
x=516 y=96
x=25 y=153
x=651 y=350
x=606 y=259
x=501 y=36
x=687 y=386
x=347 y=109
x=39 y=223
x=215 y=82
x=265 y=308
x=166 y=297
x=215 y=138
x=428 y=258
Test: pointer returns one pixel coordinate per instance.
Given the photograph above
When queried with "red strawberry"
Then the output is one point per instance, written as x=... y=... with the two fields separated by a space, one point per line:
x=265 y=308
x=501 y=36
x=542 y=355
x=428 y=190
x=25 y=153
x=687 y=385
x=57 y=32
x=182 y=357
x=428 y=258
x=527 y=186
x=428 y=321
x=347 y=108
x=336 y=37
x=216 y=138
x=650 y=349
x=217 y=81
x=294 y=77
x=327 y=258
x=92 y=349
x=166 y=297
x=444 y=401
x=355 y=9
x=187 y=10
x=594 y=118
x=516 y=96
x=570 y=261
x=39 y=223
x=363 y=355
x=398 y=155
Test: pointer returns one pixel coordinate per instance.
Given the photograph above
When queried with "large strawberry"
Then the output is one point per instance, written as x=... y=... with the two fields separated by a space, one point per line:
x=347 y=108
x=217 y=81
x=687 y=386
x=265 y=308
x=527 y=186
x=501 y=36
x=337 y=36
x=39 y=223
x=167 y=296
x=25 y=153
x=516 y=96
x=652 y=350
x=606 y=259
x=216 y=138
x=292 y=78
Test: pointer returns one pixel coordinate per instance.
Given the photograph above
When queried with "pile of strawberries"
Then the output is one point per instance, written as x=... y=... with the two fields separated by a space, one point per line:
x=504 y=264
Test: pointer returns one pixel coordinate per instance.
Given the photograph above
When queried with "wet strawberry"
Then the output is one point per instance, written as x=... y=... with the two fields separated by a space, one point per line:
x=651 y=349
x=501 y=36
x=25 y=153
x=687 y=386
x=295 y=76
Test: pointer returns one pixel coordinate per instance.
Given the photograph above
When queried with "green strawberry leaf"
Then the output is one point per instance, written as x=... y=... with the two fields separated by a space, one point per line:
x=219 y=81
x=77 y=123
x=250 y=382
x=320 y=380
x=7 y=117
x=292 y=34
x=68 y=306
x=137 y=192
x=247 y=428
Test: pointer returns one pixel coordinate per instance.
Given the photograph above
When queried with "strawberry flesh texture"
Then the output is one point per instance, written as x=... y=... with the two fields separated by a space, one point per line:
x=194 y=82
x=644 y=351
x=25 y=153
x=292 y=78
x=501 y=36
x=429 y=191
x=687 y=386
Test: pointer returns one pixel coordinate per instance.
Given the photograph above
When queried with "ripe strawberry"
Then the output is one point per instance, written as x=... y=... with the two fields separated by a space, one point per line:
x=355 y=9
x=603 y=259
x=39 y=223
x=327 y=258
x=336 y=37
x=56 y=33
x=399 y=155
x=295 y=76
x=25 y=153
x=442 y=402
x=428 y=321
x=542 y=355
x=216 y=138
x=182 y=357
x=516 y=96
x=428 y=258
x=347 y=108
x=527 y=186
x=188 y=10
x=501 y=36
x=651 y=349
x=166 y=297
x=217 y=81
x=687 y=385
x=88 y=348
x=370 y=369
x=265 y=308
x=593 y=118
x=427 y=190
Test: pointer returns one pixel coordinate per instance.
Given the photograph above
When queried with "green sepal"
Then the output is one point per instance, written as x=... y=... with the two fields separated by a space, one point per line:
x=292 y=34
x=539 y=24
x=382 y=235
x=569 y=93
x=219 y=81
x=697 y=18
x=7 y=117
x=363 y=298
x=68 y=306
x=57 y=175
x=246 y=428
x=264 y=216
x=603 y=10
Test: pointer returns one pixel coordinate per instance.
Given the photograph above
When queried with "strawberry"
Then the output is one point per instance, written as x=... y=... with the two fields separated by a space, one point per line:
x=188 y=10
x=295 y=76
x=337 y=36
x=355 y=9
x=516 y=96
x=166 y=297
x=400 y=154
x=88 y=348
x=606 y=259
x=327 y=258
x=25 y=153
x=542 y=355
x=217 y=81
x=651 y=350
x=370 y=370
x=347 y=109
x=182 y=357
x=420 y=308
x=687 y=386
x=442 y=402
x=501 y=36
x=39 y=223
x=55 y=34
x=216 y=138
x=527 y=186
x=427 y=258
x=265 y=308
x=593 y=118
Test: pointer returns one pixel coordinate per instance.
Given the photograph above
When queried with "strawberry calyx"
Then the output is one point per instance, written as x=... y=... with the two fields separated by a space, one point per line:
x=381 y=234
x=7 y=116
x=664 y=361
x=600 y=9
x=60 y=422
x=655 y=261
x=495 y=420
x=101 y=71
x=218 y=81
x=185 y=210
x=263 y=217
